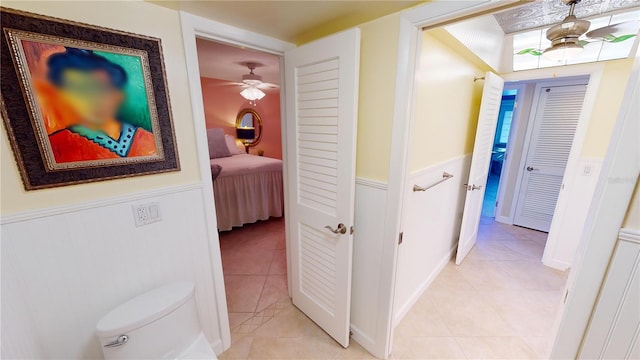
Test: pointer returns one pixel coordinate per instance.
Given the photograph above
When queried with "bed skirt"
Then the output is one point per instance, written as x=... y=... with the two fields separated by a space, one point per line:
x=245 y=199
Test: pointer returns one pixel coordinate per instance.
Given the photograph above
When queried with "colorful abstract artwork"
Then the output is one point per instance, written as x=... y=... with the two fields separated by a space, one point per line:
x=80 y=110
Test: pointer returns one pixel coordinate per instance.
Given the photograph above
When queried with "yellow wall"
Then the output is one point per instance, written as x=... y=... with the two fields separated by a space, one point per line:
x=136 y=17
x=378 y=57
x=447 y=101
x=605 y=111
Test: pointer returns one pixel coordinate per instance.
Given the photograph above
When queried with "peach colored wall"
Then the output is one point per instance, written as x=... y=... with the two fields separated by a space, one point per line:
x=222 y=103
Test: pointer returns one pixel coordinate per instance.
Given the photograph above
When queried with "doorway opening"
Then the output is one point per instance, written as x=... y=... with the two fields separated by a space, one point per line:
x=535 y=132
x=241 y=99
x=501 y=138
x=506 y=258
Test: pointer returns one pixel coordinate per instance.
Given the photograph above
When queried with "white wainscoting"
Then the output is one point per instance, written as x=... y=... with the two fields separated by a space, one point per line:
x=614 y=330
x=64 y=268
x=570 y=216
x=431 y=230
x=370 y=205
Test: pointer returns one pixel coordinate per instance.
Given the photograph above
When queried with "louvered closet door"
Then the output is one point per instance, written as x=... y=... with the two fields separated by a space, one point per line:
x=480 y=161
x=321 y=110
x=549 y=145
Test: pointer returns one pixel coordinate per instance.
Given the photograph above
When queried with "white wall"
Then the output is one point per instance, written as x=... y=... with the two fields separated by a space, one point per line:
x=431 y=228
x=368 y=238
x=485 y=38
x=64 y=268
x=614 y=329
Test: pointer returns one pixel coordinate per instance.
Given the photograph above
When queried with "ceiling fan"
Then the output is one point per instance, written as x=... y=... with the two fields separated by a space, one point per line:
x=567 y=38
x=252 y=84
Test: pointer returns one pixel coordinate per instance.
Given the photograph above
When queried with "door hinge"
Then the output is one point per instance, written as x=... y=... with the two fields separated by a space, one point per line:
x=496 y=204
x=566 y=294
x=400 y=238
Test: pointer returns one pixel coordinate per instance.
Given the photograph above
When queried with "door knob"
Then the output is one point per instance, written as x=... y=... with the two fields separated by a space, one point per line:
x=531 y=168
x=340 y=230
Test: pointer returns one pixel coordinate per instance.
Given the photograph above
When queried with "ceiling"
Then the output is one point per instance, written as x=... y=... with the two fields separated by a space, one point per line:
x=293 y=21
x=226 y=62
x=542 y=13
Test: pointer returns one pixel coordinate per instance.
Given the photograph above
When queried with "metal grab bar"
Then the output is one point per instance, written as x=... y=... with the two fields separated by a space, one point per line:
x=445 y=176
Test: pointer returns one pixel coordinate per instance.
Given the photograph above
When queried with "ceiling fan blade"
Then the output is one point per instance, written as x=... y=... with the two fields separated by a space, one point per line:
x=268 y=86
x=230 y=83
x=616 y=32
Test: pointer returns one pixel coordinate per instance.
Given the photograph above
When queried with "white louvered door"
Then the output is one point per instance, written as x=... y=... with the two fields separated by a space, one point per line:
x=321 y=111
x=480 y=161
x=550 y=141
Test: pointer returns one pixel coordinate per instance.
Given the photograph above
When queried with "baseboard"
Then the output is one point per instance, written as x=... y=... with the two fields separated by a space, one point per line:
x=556 y=264
x=64 y=209
x=217 y=347
x=404 y=309
x=504 y=220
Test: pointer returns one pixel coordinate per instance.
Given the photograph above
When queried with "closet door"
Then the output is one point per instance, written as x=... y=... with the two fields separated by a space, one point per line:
x=549 y=144
x=322 y=102
x=480 y=161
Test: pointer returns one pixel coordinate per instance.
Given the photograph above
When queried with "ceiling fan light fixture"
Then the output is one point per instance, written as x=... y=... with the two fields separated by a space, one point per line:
x=252 y=93
x=561 y=51
x=564 y=37
x=569 y=27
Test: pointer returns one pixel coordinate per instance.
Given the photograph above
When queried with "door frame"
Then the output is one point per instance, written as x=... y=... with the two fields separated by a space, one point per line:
x=563 y=210
x=606 y=214
x=195 y=26
x=410 y=27
x=509 y=161
x=578 y=137
x=412 y=22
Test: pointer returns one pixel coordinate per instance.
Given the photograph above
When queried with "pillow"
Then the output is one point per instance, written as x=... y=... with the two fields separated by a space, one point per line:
x=231 y=144
x=217 y=144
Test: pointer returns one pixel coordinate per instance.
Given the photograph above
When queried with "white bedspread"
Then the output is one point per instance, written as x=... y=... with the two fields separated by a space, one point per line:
x=248 y=189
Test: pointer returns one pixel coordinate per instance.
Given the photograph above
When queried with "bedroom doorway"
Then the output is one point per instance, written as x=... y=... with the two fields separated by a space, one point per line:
x=241 y=99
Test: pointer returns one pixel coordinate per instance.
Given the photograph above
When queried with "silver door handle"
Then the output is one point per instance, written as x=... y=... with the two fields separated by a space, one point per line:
x=472 y=187
x=531 y=168
x=340 y=230
x=119 y=341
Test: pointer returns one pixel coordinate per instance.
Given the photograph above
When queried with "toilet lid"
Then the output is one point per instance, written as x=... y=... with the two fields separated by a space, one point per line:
x=144 y=309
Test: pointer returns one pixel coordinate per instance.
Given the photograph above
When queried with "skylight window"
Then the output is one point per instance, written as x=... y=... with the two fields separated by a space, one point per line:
x=529 y=45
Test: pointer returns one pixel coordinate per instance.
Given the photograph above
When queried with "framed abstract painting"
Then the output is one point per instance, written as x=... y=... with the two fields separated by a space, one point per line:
x=82 y=103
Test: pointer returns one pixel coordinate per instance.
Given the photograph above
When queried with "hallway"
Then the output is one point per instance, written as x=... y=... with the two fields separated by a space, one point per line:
x=499 y=304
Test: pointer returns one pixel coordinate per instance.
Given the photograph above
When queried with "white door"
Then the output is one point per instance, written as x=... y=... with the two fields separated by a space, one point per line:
x=480 y=161
x=322 y=103
x=550 y=140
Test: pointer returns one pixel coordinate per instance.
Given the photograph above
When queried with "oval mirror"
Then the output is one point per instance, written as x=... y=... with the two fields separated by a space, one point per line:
x=249 y=127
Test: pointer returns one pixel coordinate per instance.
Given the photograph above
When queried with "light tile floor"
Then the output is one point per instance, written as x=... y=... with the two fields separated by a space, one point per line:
x=499 y=304
x=255 y=272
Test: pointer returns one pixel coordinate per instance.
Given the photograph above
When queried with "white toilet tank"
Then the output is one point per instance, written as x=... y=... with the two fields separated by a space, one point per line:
x=160 y=324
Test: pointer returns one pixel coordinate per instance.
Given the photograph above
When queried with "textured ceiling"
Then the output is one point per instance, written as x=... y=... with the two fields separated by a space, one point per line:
x=226 y=62
x=546 y=12
x=292 y=21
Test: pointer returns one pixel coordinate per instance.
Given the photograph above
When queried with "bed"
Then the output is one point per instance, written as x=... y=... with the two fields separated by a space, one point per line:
x=247 y=188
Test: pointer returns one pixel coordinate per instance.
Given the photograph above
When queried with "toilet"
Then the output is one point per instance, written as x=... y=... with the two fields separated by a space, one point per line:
x=160 y=324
